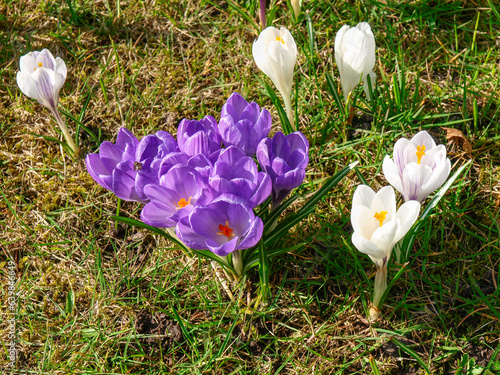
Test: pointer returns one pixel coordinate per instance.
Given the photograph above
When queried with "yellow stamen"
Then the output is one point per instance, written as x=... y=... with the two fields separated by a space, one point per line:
x=39 y=65
x=380 y=216
x=183 y=203
x=280 y=39
x=420 y=152
x=226 y=231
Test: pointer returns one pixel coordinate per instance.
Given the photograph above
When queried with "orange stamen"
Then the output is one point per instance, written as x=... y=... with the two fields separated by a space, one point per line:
x=420 y=152
x=226 y=231
x=183 y=203
x=380 y=216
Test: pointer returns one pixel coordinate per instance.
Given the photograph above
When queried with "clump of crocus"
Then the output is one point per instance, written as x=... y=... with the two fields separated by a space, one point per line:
x=285 y=159
x=378 y=226
x=418 y=167
x=275 y=53
x=243 y=124
x=203 y=190
x=355 y=57
x=41 y=77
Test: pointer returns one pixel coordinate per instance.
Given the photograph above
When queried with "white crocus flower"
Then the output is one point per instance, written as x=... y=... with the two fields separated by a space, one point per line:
x=296 y=4
x=378 y=226
x=355 y=57
x=41 y=77
x=419 y=167
x=275 y=53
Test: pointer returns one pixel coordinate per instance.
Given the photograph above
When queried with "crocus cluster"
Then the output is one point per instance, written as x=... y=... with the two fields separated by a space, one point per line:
x=206 y=183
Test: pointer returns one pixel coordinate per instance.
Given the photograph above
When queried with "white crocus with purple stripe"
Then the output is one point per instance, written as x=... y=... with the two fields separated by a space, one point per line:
x=418 y=167
x=41 y=77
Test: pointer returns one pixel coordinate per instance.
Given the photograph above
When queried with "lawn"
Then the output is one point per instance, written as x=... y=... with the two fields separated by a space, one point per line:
x=99 y=296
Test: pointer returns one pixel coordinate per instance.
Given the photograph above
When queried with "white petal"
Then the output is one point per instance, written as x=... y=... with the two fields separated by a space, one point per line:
x=385 y=200
x=363 y=221
x=367 y=247
x=45 y=80
x=391 y=174
x=27 y=85
x=61 y=67
x=384 y=237
x=363 y=196
x=46 y=59
x=399 y=154
x=423 y=138
x=27 y=63
x=436 y=180
x=406 y=217
x=414 y=177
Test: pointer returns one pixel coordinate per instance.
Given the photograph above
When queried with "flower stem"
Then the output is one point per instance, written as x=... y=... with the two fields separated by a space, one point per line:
x=289 y=110
x=237 y=262
x=262 y=14
x=378 y=292
x=65 y=131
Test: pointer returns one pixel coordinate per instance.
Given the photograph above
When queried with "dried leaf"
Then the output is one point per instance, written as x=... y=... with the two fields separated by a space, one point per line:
x=456 y=137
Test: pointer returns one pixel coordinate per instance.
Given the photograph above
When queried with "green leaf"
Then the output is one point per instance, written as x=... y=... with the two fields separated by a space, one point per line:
x=264 y=272
x=70 y=302
x=373 y=365
x=203 y=253
x=412 y=353
x=332 y=87
x=415 y=230
x=270 y=220
x=285 y=123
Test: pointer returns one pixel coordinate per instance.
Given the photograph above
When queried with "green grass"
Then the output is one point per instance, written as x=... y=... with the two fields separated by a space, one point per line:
x=85 y=281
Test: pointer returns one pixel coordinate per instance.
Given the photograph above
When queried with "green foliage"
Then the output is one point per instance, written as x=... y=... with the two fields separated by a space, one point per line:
x=84 y=280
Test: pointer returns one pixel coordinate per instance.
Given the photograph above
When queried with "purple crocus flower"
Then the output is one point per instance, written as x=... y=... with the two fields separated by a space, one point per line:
x=235 y=173
x=174 y=197
x=243 y=125
x=285 y=159
x=222 y=226
x=116 y=167
x=199 y=136
x=199 y=162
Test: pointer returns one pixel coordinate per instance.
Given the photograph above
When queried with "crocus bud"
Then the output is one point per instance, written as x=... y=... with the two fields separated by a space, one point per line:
x=296 y=7
x=199 y=136
x=284 y=158
x=419 y=167
x=275 y=53
x=243 y=124
x=41 y=76
x=355 y=56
